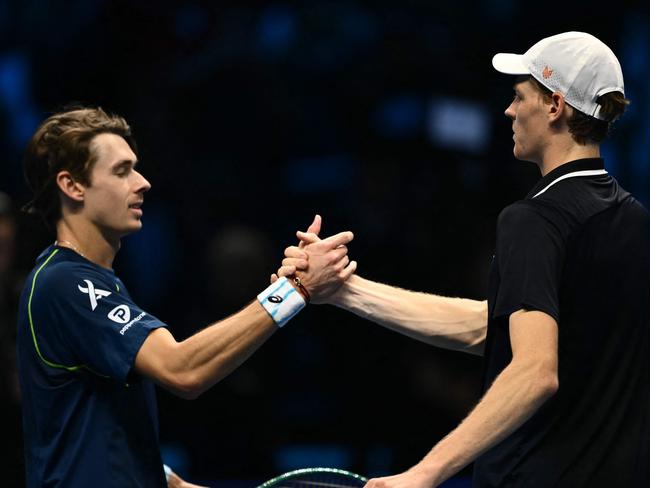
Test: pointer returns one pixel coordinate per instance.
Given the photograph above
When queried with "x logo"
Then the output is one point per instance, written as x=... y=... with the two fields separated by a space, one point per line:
x=93 y=293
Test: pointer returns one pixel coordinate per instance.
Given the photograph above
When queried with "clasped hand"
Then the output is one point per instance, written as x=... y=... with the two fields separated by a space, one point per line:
x=322 y=265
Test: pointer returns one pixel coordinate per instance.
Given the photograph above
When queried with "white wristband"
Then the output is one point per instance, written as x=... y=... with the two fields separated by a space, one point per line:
x=281 y=301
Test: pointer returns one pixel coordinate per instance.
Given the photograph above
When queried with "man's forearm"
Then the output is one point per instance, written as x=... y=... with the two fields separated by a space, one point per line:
x=451 y=323
x=190 y=367
x=214 y=352
x=517 y=393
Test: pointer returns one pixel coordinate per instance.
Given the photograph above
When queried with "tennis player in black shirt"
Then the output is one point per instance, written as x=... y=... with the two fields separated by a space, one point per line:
x=566 y=328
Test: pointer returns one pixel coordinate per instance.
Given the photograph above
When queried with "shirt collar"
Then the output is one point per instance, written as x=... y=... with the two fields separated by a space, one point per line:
x=566 y=168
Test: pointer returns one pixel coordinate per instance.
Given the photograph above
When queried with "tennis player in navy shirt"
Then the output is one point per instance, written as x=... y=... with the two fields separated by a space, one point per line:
x=88 y=355
x=565 y=330
x=87 y=417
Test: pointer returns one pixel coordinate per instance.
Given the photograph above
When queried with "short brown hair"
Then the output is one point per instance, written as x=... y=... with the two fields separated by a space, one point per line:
x=62 y=142
x=585 y=128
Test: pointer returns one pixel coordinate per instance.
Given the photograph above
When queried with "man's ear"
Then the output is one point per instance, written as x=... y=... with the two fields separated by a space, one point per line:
x=558 y=107
x=70 y=187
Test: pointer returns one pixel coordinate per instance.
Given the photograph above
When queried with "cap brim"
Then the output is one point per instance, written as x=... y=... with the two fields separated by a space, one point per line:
x=510 y=64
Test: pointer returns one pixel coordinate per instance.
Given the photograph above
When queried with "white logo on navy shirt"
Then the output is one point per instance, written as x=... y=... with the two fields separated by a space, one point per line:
x=93 y=293
x=120 y=314
x=128 y=326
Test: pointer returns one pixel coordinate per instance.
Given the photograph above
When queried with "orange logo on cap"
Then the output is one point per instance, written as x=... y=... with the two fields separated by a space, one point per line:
x=547 y=73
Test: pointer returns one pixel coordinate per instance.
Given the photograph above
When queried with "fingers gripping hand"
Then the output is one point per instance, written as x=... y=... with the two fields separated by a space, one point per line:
x=283 y=271
x=298 y=260
x=330 y=253
x=286 y=270
x=329 y=265
x=295 y=260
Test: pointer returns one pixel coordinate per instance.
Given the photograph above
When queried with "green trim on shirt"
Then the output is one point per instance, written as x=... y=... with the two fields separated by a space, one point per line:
x=31 y=325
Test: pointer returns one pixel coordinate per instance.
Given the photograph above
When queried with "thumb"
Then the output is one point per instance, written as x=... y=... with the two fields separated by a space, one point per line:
x=315 y=226
x=314 y=229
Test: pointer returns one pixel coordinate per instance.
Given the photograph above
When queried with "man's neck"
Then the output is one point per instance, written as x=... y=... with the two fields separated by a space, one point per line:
x=87 y=240
x=559 y=154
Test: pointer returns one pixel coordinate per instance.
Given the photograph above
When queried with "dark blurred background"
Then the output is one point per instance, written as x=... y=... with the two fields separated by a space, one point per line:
x=384 y=117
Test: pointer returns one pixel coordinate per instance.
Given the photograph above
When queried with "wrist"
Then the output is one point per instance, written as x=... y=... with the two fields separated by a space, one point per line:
x=430 y=471
x=440 y=464
x=300 y=287
x=342 y=295
x=281 y=301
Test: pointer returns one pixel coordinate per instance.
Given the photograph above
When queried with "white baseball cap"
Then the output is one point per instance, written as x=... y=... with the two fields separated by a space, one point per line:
x=576 y=64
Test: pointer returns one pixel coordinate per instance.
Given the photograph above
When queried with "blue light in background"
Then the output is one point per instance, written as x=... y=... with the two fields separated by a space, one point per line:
x=400 y=116
x=150 y=256
x=177 y=457
x=634 y=47
x=609 y=151
x=458 y=124
x=16 y=99
x=298 y=456
x=635 y=125
x=276 y=29
x=13 y=74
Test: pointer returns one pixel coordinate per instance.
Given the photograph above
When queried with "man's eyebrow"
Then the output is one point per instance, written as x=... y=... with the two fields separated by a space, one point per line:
x=126 y=162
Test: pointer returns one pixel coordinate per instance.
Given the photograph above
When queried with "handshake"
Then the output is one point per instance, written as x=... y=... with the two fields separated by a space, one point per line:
x=321 y=265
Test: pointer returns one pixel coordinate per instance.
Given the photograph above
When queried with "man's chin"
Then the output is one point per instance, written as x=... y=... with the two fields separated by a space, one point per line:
x=133 y=227
x=520 y=155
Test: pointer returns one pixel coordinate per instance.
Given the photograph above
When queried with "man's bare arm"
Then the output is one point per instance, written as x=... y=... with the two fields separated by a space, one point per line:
x=451 y=323
x=518 y=392
x=190 y=367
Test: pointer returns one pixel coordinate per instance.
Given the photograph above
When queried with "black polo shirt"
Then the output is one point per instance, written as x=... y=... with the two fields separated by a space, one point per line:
x=577 y=248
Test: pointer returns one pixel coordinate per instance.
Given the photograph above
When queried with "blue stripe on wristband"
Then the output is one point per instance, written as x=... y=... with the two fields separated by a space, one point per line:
x=281 y=301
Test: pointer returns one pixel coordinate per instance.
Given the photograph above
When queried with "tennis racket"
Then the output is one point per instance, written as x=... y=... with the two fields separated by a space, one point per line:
x=316 y=478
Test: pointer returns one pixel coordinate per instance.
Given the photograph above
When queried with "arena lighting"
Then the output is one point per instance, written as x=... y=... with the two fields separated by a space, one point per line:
x=294 y=456
x=276 y=29
x=400 y=116
x=458 y=124
x=15 y=97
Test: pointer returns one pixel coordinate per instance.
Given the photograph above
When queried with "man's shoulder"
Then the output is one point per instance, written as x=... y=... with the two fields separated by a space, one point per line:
x=632 y=205
x=579 y=199
x=528 y=212
x=56 y=276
